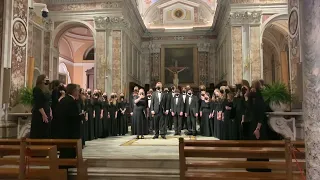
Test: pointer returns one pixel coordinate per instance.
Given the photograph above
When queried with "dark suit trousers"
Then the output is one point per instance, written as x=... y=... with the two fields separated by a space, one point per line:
x=159 y=124
x=177 y=120
x=191 y=123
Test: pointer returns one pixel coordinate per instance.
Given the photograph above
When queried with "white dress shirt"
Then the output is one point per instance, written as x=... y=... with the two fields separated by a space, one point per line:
x=159 y=96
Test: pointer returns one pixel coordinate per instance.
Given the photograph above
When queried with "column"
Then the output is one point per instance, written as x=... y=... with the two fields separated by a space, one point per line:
x=1 y=59
x=155 y=50
x=245 y=32
x=101 y=66
x=310 y=39
x=203 y=59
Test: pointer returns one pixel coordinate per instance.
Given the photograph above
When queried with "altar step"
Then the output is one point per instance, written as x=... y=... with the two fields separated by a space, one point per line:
x=131 y=169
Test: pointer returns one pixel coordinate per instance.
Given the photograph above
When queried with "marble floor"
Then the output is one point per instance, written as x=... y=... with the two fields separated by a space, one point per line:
x=127 y=147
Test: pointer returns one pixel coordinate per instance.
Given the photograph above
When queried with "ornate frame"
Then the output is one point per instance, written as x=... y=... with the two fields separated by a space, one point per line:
x=195 y=64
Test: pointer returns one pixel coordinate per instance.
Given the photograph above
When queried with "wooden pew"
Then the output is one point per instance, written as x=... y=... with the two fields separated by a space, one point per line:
x=76 y=144
x=228 y=159
x=19 y=165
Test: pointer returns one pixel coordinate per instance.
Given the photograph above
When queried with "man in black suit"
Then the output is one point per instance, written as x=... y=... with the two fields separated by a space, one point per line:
x=158 y=110
x=171 y=95
x=149 y=117
x=177 y=109
x=69 y=119
x=191 y=112
x=184 y=96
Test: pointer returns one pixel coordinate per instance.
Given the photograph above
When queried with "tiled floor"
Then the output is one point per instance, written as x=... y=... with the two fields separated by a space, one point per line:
x=127 y=147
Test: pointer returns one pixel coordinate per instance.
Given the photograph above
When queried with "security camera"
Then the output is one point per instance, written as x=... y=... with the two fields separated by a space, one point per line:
x=45 y=12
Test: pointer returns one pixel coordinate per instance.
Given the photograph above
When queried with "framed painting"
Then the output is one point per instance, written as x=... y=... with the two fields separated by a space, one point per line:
x=184 y=58
x=63 y=78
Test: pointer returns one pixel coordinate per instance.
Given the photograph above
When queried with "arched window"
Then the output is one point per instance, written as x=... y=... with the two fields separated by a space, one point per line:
x=89 y=55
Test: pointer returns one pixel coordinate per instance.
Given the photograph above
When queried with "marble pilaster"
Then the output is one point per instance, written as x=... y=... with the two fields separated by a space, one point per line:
x=155 y=50
x=237 y=54
x=310 y=39
x=19 y=47
x=1 y=34
x=116 y=61
x=203 y=58
x=101 y=61
x=246 y=45
x=295 y=62
x=255 y=59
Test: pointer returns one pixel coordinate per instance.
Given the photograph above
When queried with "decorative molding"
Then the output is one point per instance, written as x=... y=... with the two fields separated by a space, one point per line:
x=84 y=6
x=203 y=47
x=246 y=17
x=155 y=48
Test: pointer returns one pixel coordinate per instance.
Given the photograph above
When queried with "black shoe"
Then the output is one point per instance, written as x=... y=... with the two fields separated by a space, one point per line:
x=176 y=134
x=142 y=137
x=155 y=137
x=137 y=137
x=163 y=137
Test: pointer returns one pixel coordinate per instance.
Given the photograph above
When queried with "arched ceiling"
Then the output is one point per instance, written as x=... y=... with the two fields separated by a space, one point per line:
x=74 y=42
x=177 y=14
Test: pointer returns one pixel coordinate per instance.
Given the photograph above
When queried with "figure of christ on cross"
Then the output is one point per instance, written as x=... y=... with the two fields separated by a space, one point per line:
x=175 y=70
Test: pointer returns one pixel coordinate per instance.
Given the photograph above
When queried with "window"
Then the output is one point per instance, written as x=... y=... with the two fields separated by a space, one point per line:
x=89 y=55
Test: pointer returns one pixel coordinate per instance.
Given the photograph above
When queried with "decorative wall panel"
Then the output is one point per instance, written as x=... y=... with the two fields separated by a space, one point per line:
x=19 y=51
x=101 y=62
x=255 y=58
x=237 y=54
x=203 y=68
x=116 y=61
x=46 y=53
x=1 y=30
x=294 y=49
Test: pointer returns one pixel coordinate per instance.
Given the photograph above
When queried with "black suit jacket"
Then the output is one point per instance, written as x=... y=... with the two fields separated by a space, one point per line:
x=157 y=106
x=193 y=107
x=69 y=119
x=169 y=99
x=177 y=107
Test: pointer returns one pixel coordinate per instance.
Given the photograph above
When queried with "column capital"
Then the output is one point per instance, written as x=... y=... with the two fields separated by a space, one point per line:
x=155 y=48
x=203 y=47
x=113 y=22
x=245 y=17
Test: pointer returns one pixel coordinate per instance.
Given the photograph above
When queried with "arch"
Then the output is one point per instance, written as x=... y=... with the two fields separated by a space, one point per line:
x=273 y=18
x=64 y=70
x=87 y=51
x=61 y=28
x=265 y=25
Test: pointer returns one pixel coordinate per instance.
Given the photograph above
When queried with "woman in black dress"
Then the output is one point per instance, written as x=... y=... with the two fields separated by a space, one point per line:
x=82 y=109
x=139 y=114
x=122 y=117
x=41 y=111
x=255 y=116
x=218 y=114
x=97 y=114
x=106 y=116
x=89 y=115
x=113 y=110
x=206 y=125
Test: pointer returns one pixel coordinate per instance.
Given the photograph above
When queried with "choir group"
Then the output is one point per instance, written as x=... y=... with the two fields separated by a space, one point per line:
x=230 y=113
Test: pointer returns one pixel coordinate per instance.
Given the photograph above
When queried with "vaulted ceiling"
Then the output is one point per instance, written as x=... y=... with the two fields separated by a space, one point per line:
x=75 y=42
x=177 y=14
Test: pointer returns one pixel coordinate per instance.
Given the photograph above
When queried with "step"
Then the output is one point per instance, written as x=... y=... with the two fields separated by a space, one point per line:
x=133 y=163
x=132 y=173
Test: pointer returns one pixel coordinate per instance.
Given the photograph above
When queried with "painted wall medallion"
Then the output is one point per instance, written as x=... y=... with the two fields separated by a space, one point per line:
x=178 y=13
x=19 y=32
x=293 y=22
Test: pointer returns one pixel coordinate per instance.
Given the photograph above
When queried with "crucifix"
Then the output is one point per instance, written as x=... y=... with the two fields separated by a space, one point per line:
x=175 y=70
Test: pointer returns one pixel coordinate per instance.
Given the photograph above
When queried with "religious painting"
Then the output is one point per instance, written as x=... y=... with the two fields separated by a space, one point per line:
x=63 y=78
x=179 y=65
